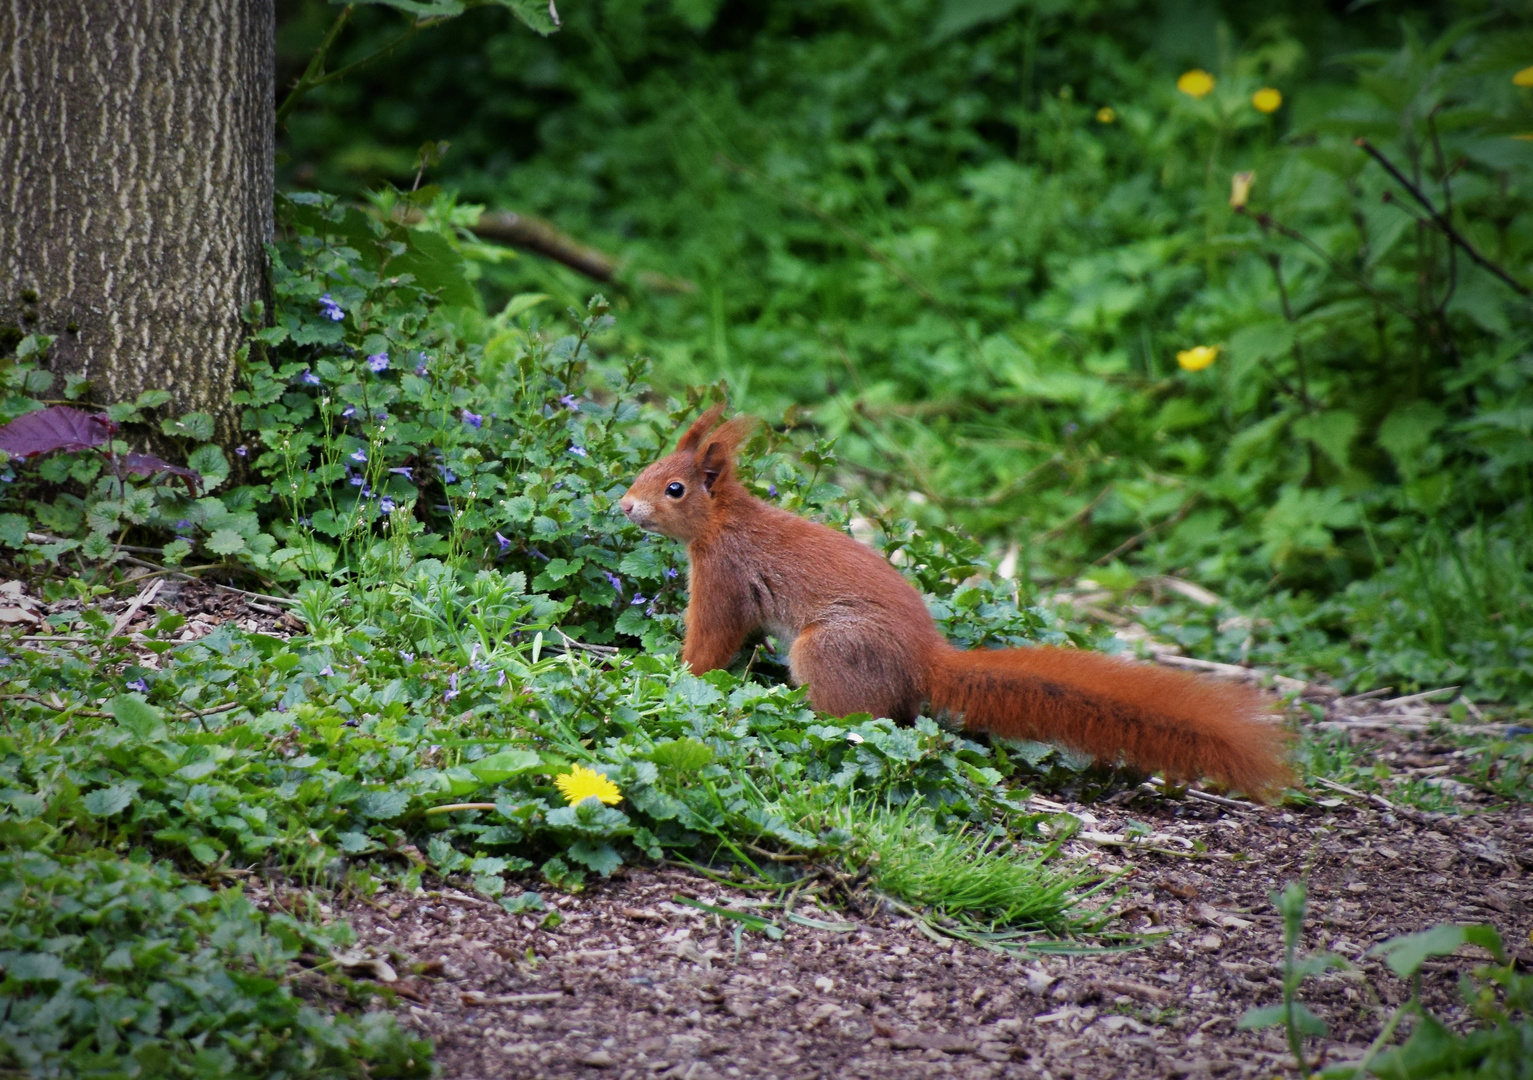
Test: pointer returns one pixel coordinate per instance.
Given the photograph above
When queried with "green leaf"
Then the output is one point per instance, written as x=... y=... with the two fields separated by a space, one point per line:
x=522 y=302
x=13 y=530
x=34 y=967
x=602 y=858
x=104 y=802
x=225 y=542
x=382 y=805
x=504 y=765
x=683 y=755
x=1331 y=431
x=138 y=716
x=522 y=903
x=1406 y=954
x=175 y=552
x=1307 y=1022
x=210 y=463
x=1264 y=1017
x=194 y=425
x=1407 y=431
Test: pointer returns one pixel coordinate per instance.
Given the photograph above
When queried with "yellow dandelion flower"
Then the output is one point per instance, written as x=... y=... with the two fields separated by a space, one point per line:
x=1106 y=114
x=1240 y=189
x=1198 y=357
x=1196 y=83
x=1524 y=77
x=580 y=783
x=1267 y=100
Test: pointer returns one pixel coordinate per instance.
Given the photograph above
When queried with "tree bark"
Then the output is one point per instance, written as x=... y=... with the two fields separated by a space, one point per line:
x=136 y=188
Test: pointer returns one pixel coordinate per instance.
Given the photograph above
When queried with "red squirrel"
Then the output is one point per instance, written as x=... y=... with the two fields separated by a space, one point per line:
x=863 y=640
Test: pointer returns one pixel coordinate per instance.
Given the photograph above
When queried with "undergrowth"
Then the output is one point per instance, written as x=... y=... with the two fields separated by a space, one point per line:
x=976 y=243
x=430 y=494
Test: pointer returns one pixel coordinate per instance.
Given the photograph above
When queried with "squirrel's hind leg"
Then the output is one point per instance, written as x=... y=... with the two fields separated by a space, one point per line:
x=849 y=671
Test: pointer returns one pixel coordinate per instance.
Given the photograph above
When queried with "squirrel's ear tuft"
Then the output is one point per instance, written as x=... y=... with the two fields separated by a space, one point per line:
x=700 y=427
x=718 y=456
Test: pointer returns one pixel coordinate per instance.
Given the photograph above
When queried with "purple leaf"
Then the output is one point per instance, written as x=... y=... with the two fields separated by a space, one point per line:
x=147 y=464
x=58 y=427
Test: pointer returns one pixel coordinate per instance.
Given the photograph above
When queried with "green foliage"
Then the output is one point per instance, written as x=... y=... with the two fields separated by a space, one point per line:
x=917 y=221
x=1293 y=1015
x=118 y=968
x=436 y=489
x=1500 y=997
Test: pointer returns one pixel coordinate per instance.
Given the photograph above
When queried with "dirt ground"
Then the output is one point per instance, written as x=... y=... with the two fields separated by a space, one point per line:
x=633 y=984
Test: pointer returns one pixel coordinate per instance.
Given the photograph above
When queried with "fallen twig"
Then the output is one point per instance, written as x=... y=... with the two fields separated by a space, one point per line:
x=1220 y=800
x=476 y=997
x=1442 y=223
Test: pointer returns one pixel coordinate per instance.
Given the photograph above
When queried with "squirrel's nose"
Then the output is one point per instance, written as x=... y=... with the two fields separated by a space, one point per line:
x=625 y=504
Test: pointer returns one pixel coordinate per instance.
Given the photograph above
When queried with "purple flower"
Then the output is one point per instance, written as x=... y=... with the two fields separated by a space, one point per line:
x=637 y=600
x=473 y=419
x=505 y=545
x=407 y=657
x=183 y=525
x=569 y=402
x=386 y=505
x=303 y=520
x=357 y=481
x=241 y=451
x=140 y=685
x=382 y=418
x=403 y=470
x=378 y=361
x=452 y=681
x=578 y=451
x=615 y=581
x=420 y=368
x=368 y=492
x=331 y=309
x=448 y=476
x=327 y=670
x=502 y=680
x=349 y=411
x=310 y=378
x=359 y=455
x=670 y=572
x=772 y=490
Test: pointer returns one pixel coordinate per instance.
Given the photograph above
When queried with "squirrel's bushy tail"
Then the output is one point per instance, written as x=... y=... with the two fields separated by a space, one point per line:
x=1155 y=718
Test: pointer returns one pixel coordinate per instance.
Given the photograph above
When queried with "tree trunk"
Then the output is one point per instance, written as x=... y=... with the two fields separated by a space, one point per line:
x=136 y=188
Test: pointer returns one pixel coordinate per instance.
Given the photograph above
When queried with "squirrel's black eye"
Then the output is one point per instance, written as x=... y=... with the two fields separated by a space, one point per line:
x=675 y=490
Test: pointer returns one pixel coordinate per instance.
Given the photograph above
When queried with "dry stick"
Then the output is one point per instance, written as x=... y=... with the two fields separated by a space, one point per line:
x=476 y=997
x=149 y=592
x=452 y=807
x=1378 y=800
x=1419 y=697
x=1220 y=800
x=60 y=707
x=528 y=233
x=1084 y=512
x=1134 y=541
x=534 y=234
x=183 y=576
x=1441 y=222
